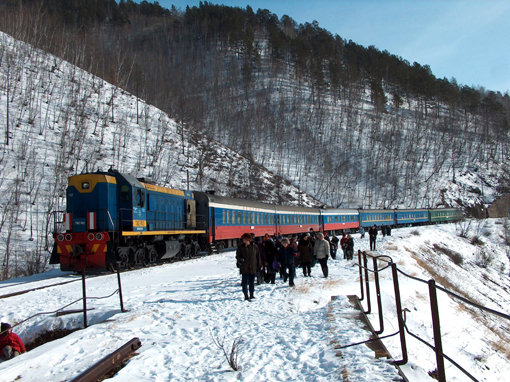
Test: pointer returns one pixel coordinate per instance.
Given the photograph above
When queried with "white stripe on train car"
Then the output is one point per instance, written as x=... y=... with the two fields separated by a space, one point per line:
x=68 y=224
x=91 y=221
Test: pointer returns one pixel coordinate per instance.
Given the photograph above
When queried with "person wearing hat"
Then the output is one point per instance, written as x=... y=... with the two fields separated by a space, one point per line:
x=286 y=253
x=372 y=233
x=249 y=263
x=321 y=251
x=306 y=254
x=350 y=247
x=10 y=343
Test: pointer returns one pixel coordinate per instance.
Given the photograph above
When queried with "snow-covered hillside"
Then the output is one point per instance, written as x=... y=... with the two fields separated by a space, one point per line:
x=59 y=120
x=179 y=310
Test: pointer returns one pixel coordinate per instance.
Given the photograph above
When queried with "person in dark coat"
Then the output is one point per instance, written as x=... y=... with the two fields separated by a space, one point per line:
x=278 y=244
x=372 y=233
x=271 y=262
x=313 y=236
x=10 y=344
x=343 y=245
x=333 y=246
x=294 y=245
x=305 y=250
x=286 y=254
x=350 y=247
x=262 y=253
x=248 y=262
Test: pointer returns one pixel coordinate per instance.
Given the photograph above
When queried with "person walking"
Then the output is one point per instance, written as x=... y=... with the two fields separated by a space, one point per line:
x=334 y=246
x=10 y=343
x=350 y=247
x=362 y=232
x=372 y=233
x=248 y=262
x=262 y=253
x=305 y=249
x=271 y=262
x=321 y=251
x=343 y=245
x=286 y=254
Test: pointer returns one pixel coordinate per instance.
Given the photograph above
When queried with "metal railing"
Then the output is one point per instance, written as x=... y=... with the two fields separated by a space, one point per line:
x=60 y=311
x=437 y=347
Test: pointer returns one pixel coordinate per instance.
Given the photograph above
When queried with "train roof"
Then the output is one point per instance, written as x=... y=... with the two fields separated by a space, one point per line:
x=412 y=210
x=376 y=211
x=250 y=205
x=226 y=202
x=339 y=211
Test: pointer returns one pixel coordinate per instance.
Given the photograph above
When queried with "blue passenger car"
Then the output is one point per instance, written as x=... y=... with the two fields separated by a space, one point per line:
x=368 y=218
x=412 y=216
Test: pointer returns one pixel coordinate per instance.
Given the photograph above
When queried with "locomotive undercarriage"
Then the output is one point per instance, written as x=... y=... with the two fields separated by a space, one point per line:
x=143 y=251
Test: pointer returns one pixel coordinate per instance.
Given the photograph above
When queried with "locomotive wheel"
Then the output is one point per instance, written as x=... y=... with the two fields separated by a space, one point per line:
x=123 y=257
x=139 y=256
x=188 y=251
x=150 y=257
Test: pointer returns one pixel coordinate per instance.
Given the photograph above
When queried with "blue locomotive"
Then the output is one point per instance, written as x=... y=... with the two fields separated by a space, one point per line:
x=116 y=218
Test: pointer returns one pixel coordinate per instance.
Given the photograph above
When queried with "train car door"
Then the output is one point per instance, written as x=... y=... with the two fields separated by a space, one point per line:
x=191 y=214
x=213 y=224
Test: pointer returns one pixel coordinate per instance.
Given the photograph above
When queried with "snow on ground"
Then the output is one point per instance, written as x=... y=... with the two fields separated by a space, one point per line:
x=178 y=311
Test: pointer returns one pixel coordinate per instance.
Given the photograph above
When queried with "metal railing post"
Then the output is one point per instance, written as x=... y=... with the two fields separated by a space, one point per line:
x=400 y=319
x=378 y=294
x=85 y=324
x=438 y=346
x=120 y=289
x=361 y=276
x=367 y=283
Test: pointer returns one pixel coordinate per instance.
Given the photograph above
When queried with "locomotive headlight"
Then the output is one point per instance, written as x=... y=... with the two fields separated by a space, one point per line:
x=60 y=237
x=69 y=237
x=99 y=236
x=85 y=185
x=90 y=236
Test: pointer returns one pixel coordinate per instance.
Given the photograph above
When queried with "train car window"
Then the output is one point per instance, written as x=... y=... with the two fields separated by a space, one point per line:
x=124 y=193
x=224 y=217
x=140 y=197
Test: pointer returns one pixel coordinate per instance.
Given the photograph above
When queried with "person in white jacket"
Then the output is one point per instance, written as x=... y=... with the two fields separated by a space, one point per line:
x=321 y=252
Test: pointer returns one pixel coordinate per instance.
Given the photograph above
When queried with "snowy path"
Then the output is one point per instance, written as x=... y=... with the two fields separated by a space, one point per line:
x=289 y=333
x=177 y=309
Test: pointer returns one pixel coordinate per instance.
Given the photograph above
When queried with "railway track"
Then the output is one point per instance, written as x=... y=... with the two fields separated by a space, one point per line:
x=20 y=292
x=78 y=278
x=110 y=363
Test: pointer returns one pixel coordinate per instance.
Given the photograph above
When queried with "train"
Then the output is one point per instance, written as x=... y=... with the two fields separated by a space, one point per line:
x=115 y=219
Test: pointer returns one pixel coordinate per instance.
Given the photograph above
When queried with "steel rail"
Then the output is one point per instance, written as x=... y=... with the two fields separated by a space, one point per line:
x=110 y=362
x=36 y=288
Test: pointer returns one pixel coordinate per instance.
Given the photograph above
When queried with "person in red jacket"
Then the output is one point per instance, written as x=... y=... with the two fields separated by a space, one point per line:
x=10 y=344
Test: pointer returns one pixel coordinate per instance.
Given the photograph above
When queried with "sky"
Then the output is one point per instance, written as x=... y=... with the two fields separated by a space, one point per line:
x=468 y=40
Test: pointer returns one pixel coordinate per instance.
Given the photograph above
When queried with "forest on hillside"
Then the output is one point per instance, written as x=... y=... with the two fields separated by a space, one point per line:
x=350 y=125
